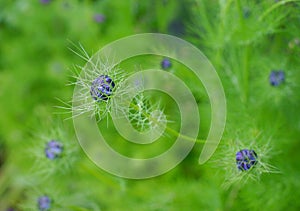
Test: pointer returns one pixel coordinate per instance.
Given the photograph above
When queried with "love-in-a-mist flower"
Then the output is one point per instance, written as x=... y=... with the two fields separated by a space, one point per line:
x=276 y=77
x=165 y=63
x=99 y=18
x=44 y=203
x=45 y=1
x=53 y=149
x=245 y=159
x=102 y=87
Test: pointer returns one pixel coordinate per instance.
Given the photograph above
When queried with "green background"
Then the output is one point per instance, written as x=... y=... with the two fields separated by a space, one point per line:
x=244 y=40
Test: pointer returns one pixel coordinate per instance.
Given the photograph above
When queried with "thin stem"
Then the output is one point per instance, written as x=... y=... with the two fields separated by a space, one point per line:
x=232 y=197
x=221 y=34
x=246 y=73
x=240 y=12
x=99 y=176
x=274 y=6
x=170 y=130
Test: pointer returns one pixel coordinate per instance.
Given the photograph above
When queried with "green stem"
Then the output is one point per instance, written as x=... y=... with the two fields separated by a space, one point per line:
x=273 y=7
x=240 y=11
x=8 y=191
x=232 y=197
x=101 y=177
x=246 y=73
x=170 y=130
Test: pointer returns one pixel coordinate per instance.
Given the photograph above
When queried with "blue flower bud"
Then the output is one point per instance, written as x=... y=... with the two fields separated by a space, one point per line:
x=166 y=63
x=102 y=87
x=45 y=1
x=44 y=203
x=53 y=149
x=99 y=18
x=245 y=159
x=276 y=77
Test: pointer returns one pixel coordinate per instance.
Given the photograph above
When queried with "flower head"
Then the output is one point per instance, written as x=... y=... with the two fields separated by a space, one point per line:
x=44 y=203
x=102 y=87
x=245 y=159
x=276 y=77
x=166 y=63
x=53 y=149
x=99 y=18
x=45 y=1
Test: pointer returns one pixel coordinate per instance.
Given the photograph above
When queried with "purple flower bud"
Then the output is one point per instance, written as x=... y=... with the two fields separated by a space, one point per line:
x=45 y=1
x=166 y=63
x=276 y=77
x=99 y=18
x=44 y=203
x=245 y=159
x=53 y=149
x=102 y=87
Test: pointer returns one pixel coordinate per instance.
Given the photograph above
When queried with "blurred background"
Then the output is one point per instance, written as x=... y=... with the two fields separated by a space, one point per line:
x=244 y=40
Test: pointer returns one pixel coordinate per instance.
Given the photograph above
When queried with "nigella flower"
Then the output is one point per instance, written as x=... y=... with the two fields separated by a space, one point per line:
x=102 y=87
x=245 y=159
x=99 y=18
x=276 y=77
x=166 y=63
x=45 y=1
x=98 y=82
x=53 y=149
x=44 y=203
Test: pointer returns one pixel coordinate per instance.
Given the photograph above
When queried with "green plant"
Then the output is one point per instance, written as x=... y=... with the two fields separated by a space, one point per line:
x=246 y=41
